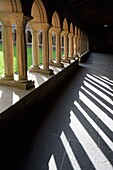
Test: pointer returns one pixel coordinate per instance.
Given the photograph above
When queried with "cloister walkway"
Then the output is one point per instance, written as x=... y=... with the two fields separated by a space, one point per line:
x=77 y=132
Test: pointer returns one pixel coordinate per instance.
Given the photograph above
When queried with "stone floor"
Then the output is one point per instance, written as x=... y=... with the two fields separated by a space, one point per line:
x=77 y=134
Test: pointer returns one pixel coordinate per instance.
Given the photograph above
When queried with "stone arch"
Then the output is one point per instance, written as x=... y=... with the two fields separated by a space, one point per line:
x=10 y=6
x=38 y=12
x=65 y=24
x=54 y=41
x=55 y=20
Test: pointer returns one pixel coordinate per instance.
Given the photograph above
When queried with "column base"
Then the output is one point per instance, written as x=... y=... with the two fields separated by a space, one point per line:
x=46 y=71
x=60 y=65
x=76 y=56
x=34 y=69
x=40 y=70
x=66 y=60
x=72 y=58
x=51 y=61
x=25 y=85
x=7 y=78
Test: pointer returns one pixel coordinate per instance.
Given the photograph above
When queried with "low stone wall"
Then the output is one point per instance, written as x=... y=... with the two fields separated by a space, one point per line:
x=39 y=99
x=36 y=102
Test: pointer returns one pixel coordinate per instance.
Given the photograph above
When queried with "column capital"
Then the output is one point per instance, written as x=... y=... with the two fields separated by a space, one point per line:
x=75 y=35
x=34 y=25
x=44 y=26
x=22 y=20
x=64 y=33
x=55 y=30
x=70 y=35
x=14 y=18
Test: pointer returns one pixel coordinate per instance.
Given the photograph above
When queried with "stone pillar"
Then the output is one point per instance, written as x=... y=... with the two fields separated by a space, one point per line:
x=45 y=49
x=35 y=52
x=8 y=52
x=58 y=48
x=22 y=52
x=65 y=34
x=81 y=35
x=75 y=46
x=71 y=45
x=21 y=49
x=50 y=48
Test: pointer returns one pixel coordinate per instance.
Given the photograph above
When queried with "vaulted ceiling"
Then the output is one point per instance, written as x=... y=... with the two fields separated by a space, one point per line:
x=92 y=13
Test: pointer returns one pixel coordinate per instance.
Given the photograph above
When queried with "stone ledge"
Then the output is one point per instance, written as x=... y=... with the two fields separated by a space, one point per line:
x=38 y=97
x=42 y=71
x=20 y=85
x=60 y=65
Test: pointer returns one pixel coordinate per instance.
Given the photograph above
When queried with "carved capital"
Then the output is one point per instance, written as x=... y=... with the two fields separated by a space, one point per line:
x=14 y=18
x=55 y=30
x=70 y=35
x=64 y=33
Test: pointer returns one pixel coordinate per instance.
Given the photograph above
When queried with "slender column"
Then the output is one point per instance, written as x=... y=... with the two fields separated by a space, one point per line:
x=35 y=49
x=50 y=48
x=65 y=34
x=58 y=47
x=71 y=45
x=81 y=42
x=8 y=50
x=75 y=45
x=21 y=49
x=45 y=50
x=66 y=47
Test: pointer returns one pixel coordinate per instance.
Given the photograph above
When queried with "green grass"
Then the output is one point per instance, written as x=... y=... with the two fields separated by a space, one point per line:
x=29 y=58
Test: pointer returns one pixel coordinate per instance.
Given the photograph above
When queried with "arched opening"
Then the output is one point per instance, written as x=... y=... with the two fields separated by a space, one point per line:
x=14 y=35
x=40 y=37
x=62 y=46
x=29 y=37
x=55 y=44
x=1 y=53
x=65 y=40
x=37 y=24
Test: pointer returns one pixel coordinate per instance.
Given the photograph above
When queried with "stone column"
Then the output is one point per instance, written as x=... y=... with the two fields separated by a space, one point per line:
x=50 y=48
x=35 y=52
x=8 y=52
x=35 y=49
x=65 y=34
x=58 y=48
x=45 y=49
x=75 y=46
x=71 y=45
x=81 y=35
x=21 y=49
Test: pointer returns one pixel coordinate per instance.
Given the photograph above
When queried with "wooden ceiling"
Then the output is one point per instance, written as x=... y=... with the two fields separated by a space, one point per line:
x=92 y=13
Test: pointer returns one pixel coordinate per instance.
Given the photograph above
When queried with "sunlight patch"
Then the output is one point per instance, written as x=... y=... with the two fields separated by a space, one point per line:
x=99 y=86
x=94 y=153
x=52 y=163
x=0 y=93
x=98 y=92
x=99 y=101
x=15 y=98
x=69 y=152
x=96 y=110
x=103 y=80
x=100 y=82
x=95 y=126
